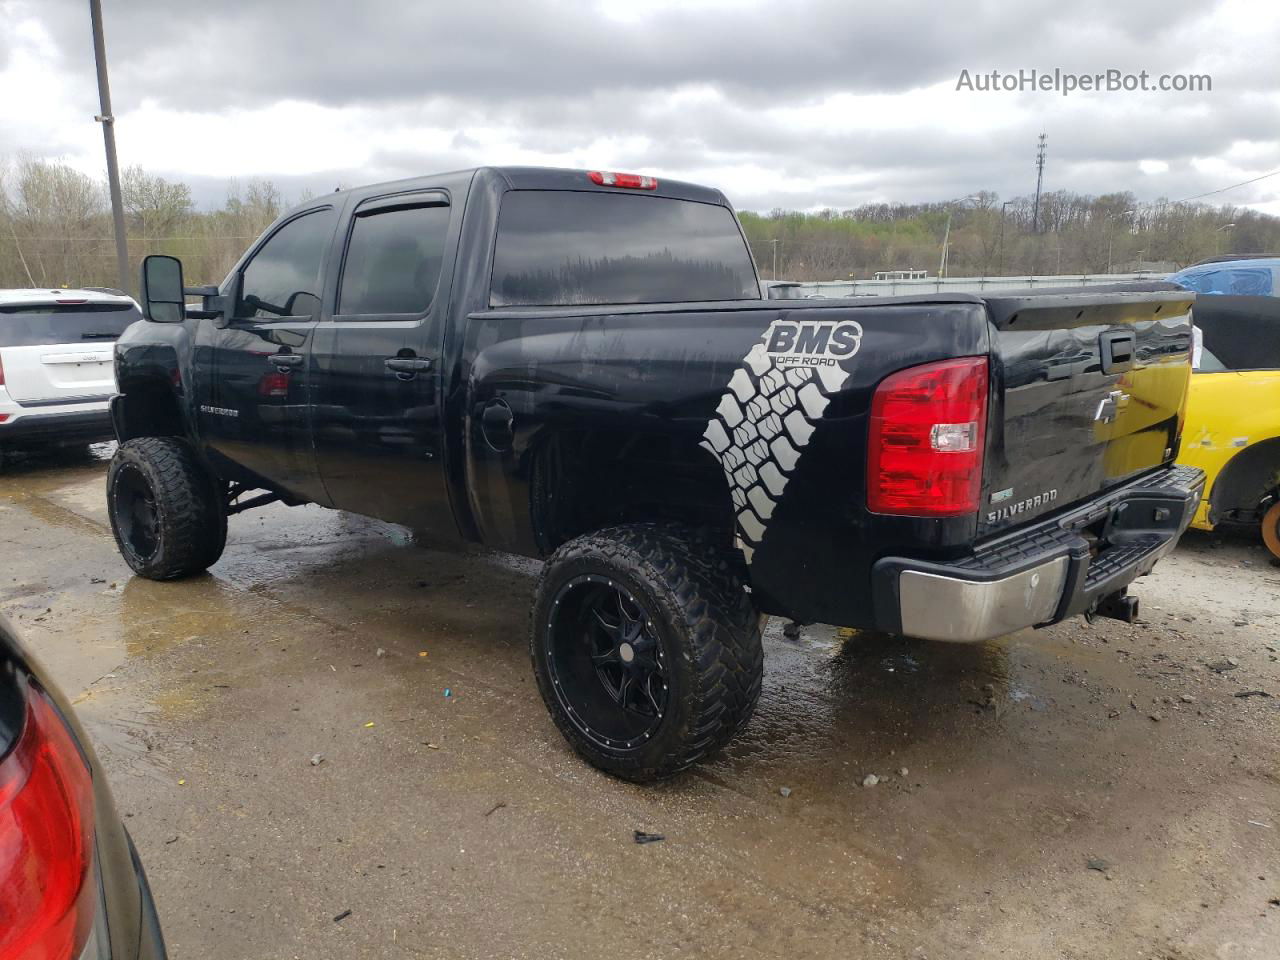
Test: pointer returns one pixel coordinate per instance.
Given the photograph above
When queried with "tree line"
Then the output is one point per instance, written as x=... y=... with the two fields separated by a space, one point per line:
x=1071 y=234
x=56 y=230
x=56 y=226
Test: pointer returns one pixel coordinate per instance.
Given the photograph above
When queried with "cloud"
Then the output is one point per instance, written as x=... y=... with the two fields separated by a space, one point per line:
x=808 y=104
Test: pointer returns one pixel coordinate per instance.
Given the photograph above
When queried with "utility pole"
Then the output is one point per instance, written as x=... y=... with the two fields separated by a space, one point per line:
x=108 y=121
x=1035 y=212
x=775 y=258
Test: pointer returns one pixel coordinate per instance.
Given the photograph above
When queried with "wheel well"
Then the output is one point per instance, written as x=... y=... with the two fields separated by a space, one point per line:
x=148 y=409
x=584 y=480
x=1245 y=483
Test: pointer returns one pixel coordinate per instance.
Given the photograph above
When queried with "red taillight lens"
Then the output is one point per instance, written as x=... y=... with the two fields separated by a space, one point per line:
x=47 y=894
x=925 y=444
x=632 y=181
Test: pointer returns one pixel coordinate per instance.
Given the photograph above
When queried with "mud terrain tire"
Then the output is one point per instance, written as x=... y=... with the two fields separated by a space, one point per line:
x=166 y=510
x=688 y=598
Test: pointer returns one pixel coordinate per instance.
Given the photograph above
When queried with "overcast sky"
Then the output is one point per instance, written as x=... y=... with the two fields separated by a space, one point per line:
x=793 y=104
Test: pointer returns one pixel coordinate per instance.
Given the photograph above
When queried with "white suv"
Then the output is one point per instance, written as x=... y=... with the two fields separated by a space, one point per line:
x=57 y=364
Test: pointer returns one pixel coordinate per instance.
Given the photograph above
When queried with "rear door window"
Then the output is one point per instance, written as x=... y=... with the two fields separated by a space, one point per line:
x=561 y=248
x=38 y=325
x=393 y=260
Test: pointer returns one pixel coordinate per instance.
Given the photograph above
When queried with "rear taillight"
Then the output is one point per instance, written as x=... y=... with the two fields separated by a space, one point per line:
x=632 y=181
x=925 y=442
x=272 y=385
x=47 y=892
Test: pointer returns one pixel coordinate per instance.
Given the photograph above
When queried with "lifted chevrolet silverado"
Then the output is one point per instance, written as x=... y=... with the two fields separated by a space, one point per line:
x=579 y=366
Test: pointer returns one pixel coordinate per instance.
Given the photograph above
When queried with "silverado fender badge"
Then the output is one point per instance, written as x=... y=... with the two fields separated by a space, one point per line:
x=766 y=417
x=219 y=411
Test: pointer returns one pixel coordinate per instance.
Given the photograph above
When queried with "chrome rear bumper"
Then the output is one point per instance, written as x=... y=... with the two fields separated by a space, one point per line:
x=1044 y=573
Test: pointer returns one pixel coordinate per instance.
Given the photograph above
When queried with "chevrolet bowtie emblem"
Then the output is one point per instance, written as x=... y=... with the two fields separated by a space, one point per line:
x=1109 y=406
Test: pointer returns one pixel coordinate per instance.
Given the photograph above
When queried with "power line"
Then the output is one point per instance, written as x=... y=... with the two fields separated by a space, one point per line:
x=1242 y=183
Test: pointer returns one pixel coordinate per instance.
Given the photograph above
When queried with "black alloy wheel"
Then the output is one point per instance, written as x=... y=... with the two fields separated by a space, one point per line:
x=606 y=662
x=137 y=519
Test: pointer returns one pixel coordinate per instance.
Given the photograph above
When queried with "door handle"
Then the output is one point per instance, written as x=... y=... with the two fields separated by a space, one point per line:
x=406 y=368
x=286 y=360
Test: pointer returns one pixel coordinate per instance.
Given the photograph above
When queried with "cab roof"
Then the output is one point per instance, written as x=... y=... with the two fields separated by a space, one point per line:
x=536 y=178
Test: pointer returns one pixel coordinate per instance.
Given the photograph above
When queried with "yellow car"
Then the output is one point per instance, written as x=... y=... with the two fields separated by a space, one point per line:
x=1232 y=428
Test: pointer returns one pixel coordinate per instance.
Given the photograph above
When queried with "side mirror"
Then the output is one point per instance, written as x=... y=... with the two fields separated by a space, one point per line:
x=161 y=286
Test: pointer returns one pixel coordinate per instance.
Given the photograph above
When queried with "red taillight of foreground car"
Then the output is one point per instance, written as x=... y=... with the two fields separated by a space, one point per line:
x=925 y=444
x=47 y=892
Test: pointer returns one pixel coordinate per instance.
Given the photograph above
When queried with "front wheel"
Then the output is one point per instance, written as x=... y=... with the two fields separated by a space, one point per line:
x=166 y=511
x=646 y=648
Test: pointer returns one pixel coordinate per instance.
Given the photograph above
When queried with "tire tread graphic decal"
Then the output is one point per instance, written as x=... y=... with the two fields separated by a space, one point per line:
x=761 y=426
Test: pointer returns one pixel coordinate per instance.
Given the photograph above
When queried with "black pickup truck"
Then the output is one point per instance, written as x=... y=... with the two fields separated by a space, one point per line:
x=579 y=366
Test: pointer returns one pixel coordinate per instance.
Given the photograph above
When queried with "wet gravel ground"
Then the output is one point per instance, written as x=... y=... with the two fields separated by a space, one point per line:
x=1104 y=790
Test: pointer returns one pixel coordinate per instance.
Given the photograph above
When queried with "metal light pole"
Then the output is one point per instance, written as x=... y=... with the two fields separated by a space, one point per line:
x=108 y=122
x=946 y=236
x=946 y=239
x=775 y=259
x=1217 y=246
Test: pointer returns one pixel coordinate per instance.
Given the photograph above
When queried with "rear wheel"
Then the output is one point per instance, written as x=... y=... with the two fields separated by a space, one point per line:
x=1271 y=529
x=646 y=649
x=166 y=510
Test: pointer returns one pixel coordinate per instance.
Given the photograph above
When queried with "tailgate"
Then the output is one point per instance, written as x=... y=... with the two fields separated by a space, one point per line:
x=65 y=374
x=1093 y=389
x=61 y=353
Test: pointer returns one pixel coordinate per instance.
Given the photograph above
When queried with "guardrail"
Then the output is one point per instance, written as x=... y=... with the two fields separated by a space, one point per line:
x=790 y=290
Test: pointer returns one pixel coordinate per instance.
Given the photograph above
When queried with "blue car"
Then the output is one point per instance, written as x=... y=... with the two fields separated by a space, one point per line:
x=1254 y=277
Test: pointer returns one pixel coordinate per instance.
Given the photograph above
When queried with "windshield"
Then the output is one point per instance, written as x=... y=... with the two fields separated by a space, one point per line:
x=560 y=248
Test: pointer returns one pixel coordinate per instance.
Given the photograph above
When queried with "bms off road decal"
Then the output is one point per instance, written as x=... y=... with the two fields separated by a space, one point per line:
x=792 y=344
x=767 y=416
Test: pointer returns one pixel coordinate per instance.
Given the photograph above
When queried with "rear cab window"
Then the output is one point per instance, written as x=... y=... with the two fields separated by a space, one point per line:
x=567 y=248
x=45 y=324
